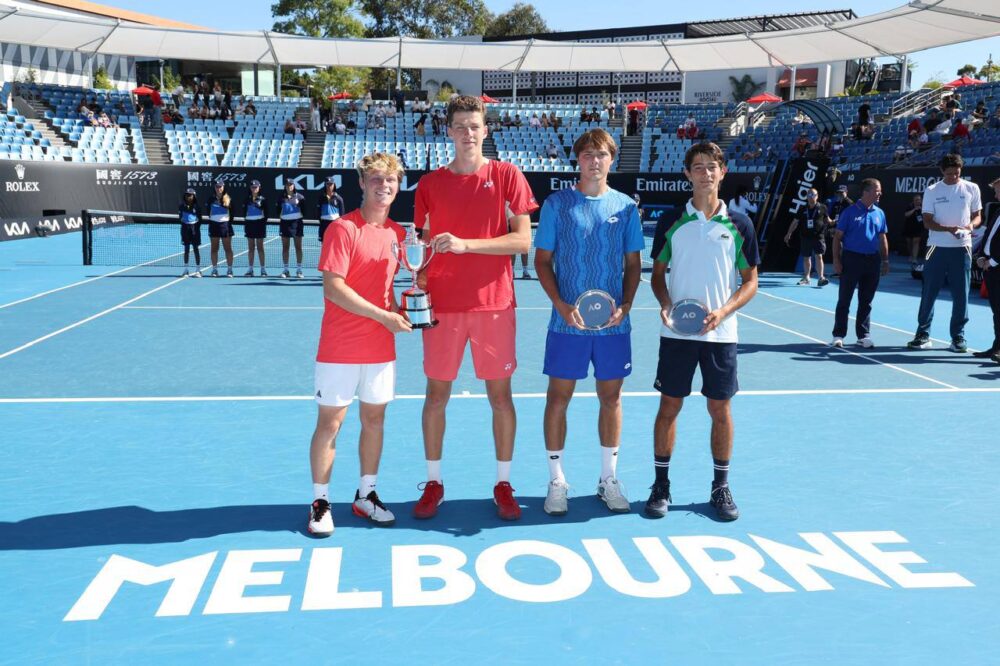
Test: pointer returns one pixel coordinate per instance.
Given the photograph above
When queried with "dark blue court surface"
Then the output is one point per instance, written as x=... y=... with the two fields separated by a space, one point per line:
x=154 y=486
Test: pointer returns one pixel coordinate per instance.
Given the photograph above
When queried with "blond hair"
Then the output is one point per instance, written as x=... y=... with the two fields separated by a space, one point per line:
x=380 y=162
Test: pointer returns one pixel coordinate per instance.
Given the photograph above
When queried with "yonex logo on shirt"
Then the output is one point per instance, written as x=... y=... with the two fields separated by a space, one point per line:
x=508 y=366
x=488 y=183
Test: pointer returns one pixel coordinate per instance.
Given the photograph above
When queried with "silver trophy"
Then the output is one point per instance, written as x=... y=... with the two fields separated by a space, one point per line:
x=415 y=303
x=596 y=308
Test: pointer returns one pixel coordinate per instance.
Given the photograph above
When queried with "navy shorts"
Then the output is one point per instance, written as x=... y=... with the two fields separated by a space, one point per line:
x=191 y=234
x=568 y=356
x=290 y=228
x=680 y=358
x=255 y=228
x=220 y=229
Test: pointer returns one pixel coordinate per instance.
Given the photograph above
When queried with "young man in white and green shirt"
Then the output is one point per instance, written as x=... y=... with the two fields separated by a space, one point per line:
x=712 y=256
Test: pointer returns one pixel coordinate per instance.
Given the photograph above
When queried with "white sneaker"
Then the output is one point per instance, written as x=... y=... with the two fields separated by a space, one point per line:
x=249 y=273
x=837 y=342
x=215 y=272
x=803 y=282
x=371 y=509
x=866 y=342
x=556 y=503
x=263 y=272
x=285 y=273
x=229 y=273
x=613 y=494
x=298 y=273
x=185 y=273
x=320 y=520
x=197 y=273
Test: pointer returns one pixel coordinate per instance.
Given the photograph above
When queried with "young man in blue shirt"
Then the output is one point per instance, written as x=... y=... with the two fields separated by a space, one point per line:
x=589 y=237
x=861 y=258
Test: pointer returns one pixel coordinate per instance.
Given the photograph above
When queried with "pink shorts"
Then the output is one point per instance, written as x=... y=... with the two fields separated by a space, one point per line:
x=492 y=336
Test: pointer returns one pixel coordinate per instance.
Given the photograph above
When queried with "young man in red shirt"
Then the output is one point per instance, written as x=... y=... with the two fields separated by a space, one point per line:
x=475 y=212
x=357 y=348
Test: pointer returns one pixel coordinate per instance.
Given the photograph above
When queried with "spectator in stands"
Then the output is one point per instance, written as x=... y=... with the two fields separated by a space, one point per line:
x=753 y=153
x=690 y=127
x=194 y=111
x=944 y=127
x=799 y=118
x=595 y=115
x=864 y=115
x=552 y=150
x=217 y=93
x=837 y=145
x=390 y=111
x=801 y=145
x=178 y=95
x=401 y=155
x=932 y=121
x=227 y=97
x=584 y=116
x=250 y=109
x=534 y=122
x=157 y=101
x=960 y=134
x=314 y=121
x=175 y=116
x=915 y=128
x=399 y=100
x=994 y=158
x=289 y=127
x=554 y=120
x=340 y=127
x=211 y=112
x=302 y=128
x=367 y=101
x=953 y=103
x=103 y=120
x=741 y=203
x=517 y=122
x=420 y=125
x=543 y=121
x=980 y=113
x=612 y=109
x=226 y=113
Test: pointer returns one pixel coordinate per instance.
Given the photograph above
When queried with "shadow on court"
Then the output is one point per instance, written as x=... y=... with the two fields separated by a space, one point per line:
x=137 y=525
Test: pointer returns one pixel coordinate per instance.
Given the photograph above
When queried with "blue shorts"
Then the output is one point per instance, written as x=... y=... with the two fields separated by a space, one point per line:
x=680 y=358
x=569 y=356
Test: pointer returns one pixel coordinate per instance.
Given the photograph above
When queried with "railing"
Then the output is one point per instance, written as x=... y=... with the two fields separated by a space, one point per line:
x=916 y=101
x=741 y=115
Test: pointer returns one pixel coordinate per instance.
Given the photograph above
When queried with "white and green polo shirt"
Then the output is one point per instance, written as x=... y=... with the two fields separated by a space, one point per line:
x=705 y=257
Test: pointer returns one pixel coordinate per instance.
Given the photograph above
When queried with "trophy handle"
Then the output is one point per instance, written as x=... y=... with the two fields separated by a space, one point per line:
x=428 y=258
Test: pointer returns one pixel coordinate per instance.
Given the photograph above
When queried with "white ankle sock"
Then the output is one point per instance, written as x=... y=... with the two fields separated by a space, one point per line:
x=321 y=491
x=555 y=465
x=367 y=484
x=609 y=461
x=503 y=470
x=434 y=470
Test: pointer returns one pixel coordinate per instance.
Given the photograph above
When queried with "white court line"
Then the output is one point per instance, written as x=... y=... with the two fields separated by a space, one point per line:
x=100 y=314
x=77 y=284
x=480 y=396
x=848 y=351
x=874 y=323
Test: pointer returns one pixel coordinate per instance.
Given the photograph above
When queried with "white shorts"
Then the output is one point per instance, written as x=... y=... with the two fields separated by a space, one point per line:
x=338 y=383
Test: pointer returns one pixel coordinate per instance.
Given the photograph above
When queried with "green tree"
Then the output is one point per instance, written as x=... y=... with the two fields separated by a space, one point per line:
x=932 y=84
x=745 y=88
x=989 y=71
x=967 y=69
x=326 y=19
x=521 y=19
x=170 y=80
x=101 y=79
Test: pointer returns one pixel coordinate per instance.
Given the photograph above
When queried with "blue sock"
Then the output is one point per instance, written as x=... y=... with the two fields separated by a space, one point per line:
x=721 y=472
x=662 y=467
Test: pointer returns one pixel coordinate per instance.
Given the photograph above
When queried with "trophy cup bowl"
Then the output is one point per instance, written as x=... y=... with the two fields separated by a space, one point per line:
x=415 y=303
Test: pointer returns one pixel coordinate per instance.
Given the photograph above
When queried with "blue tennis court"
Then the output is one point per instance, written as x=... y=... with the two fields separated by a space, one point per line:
x=155 y=486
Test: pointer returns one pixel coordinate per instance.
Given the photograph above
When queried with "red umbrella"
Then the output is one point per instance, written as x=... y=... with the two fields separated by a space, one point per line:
x=341 y=95
x=964 y=80
x=763 y=98
x=143 y=90
x=486 y=99
x=636 y=105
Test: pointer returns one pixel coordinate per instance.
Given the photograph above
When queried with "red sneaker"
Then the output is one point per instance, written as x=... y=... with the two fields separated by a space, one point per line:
x=503 y=497
x=427 y=505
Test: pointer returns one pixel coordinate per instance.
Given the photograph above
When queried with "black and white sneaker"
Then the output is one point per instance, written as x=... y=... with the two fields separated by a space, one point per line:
x=371 y=509
x=659 y=500
x=919 y=341
x=722 y=500
x=320 y=520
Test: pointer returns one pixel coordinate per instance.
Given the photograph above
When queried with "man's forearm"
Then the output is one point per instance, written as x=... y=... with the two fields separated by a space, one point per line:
x=516 y=242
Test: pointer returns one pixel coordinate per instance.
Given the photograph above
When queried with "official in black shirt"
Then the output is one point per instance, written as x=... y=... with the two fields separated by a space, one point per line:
x=989 y=261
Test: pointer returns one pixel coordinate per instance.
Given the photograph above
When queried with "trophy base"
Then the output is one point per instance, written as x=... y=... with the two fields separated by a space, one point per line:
x=430 y=324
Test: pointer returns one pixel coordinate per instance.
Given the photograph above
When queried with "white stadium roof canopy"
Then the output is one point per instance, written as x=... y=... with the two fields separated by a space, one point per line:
x=913 y=27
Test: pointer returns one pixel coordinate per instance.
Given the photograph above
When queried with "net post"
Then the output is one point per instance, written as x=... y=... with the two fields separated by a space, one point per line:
x=85 y=234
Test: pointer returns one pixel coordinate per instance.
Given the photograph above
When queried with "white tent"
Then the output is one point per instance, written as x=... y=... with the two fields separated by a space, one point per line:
x=913 y=27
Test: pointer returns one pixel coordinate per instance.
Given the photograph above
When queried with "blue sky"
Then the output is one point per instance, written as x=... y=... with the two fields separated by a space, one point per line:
x=576 y=15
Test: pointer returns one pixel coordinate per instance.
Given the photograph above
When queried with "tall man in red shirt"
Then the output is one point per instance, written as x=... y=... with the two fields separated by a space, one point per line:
x=357 y=350
x=475 y=211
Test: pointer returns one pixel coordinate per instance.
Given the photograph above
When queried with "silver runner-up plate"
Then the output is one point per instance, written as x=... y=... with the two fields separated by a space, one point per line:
x=687 y=317
x=596 y=308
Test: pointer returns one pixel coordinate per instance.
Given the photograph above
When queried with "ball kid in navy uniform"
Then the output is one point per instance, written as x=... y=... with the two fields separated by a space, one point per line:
x=190 y=218
x=220 y=227
x=255 y=226
x=289 y=208
x=329 y=207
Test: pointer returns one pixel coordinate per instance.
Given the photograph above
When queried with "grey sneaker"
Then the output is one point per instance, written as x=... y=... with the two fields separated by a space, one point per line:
x=298 y=273
x=958 y=346
x=320 y=521
x=866 y=342
x=822 y=282
x=919 y=341
x=659 y=500
x=229 y=272
x=263 y=272
x=196 y=274
x=249 y=273
x=371 y=509
x=556 y=503
x=803 y=282
x=722 y=500
x=612 y=493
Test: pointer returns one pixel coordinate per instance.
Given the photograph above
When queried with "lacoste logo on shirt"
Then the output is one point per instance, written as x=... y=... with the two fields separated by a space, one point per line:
x=725 y=236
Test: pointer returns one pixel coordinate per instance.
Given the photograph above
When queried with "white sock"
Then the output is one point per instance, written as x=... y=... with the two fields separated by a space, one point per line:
x=367 y=484
x=434 y=470
x=503 y=470
x=321 y=491
x=555 y=465
x=609 y=461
